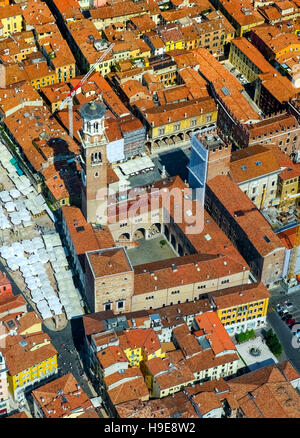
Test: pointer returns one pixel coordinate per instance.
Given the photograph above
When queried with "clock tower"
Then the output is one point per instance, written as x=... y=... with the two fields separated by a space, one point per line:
x=94 y=155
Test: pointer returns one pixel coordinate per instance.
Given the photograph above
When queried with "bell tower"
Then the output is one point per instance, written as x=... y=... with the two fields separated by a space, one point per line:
x=94 y=175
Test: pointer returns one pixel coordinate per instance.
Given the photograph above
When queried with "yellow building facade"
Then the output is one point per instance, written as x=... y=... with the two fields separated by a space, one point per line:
x=185 y=124
x=43 y=81
x=31 y=375
x=12 y=24
x=138 y=355
x=244 y=317
x=242 y=59
x=174 y=45
x=287 y=187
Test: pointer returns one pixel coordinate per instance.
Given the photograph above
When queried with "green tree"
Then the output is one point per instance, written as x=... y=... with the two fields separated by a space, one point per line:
x=273 y=343
x=251 y=334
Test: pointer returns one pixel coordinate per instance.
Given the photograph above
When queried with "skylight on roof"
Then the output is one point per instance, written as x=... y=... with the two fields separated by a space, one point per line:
x=244 y=167
x=226 y=91
x=23 y=343
x=258 y=163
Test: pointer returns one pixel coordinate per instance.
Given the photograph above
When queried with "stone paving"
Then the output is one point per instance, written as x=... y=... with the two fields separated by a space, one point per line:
x=151 y=251
x=255 y=362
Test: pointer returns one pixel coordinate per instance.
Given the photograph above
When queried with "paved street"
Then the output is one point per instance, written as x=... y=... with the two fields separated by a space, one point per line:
x=175 y=162
x=66 y=341
x=282 y=331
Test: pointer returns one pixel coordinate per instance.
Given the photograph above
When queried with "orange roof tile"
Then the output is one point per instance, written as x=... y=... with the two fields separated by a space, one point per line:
x=215 y=333
x=61 y=397
x=235 y=296
x=245 y=214
x=108 y=262
x=110 y=356
x=251 y=163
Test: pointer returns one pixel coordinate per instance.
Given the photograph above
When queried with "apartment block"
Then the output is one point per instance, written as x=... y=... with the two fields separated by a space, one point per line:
x=256 y=170
x=236 y=215
x=242 y=308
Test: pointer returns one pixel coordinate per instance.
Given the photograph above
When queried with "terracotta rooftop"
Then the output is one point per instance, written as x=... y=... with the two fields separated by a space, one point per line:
x=36 y=13
x=219 y=340
x=61 y=397
x=239 y=206
x=27 y=321
x=266 y=393
x=131 y=386
x=226 y=86
x=161 y=115
x=9 y=303
x=207 y=402
x=24 y=95
x=271 y=125
x=28 y=124
x=10 y=11
x=278 y=86
x=108 y=262
x=19 y=358
x=174 y=406
x=196 y=85
x=288 y=237
x=185 y=270
x=276 y=39
x=81 y=232
x=207 y=359
x=251 y=163
x=110 y=356
x=242 y=12
x=186 y=341
x=252 y=53
x=238 y=295
x=140 y=338
x=171 y=374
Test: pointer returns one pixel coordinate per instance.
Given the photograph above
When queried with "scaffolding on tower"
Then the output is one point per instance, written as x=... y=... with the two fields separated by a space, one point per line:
x=69 y=99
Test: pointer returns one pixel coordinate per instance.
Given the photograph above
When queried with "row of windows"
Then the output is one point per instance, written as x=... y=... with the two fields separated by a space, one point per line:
x=193 y=123
x=109 y=305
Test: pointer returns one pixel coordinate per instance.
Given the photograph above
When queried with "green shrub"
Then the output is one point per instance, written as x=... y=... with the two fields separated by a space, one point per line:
x=245 y=336
x=273 y=343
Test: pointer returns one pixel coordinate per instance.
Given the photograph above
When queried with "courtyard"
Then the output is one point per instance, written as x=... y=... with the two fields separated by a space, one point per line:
x=255 y=354
x=151 y=250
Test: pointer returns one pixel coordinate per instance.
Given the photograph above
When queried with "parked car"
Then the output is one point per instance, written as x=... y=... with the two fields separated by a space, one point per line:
x=289 y=305
x=290 y=322
x=286 y=317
